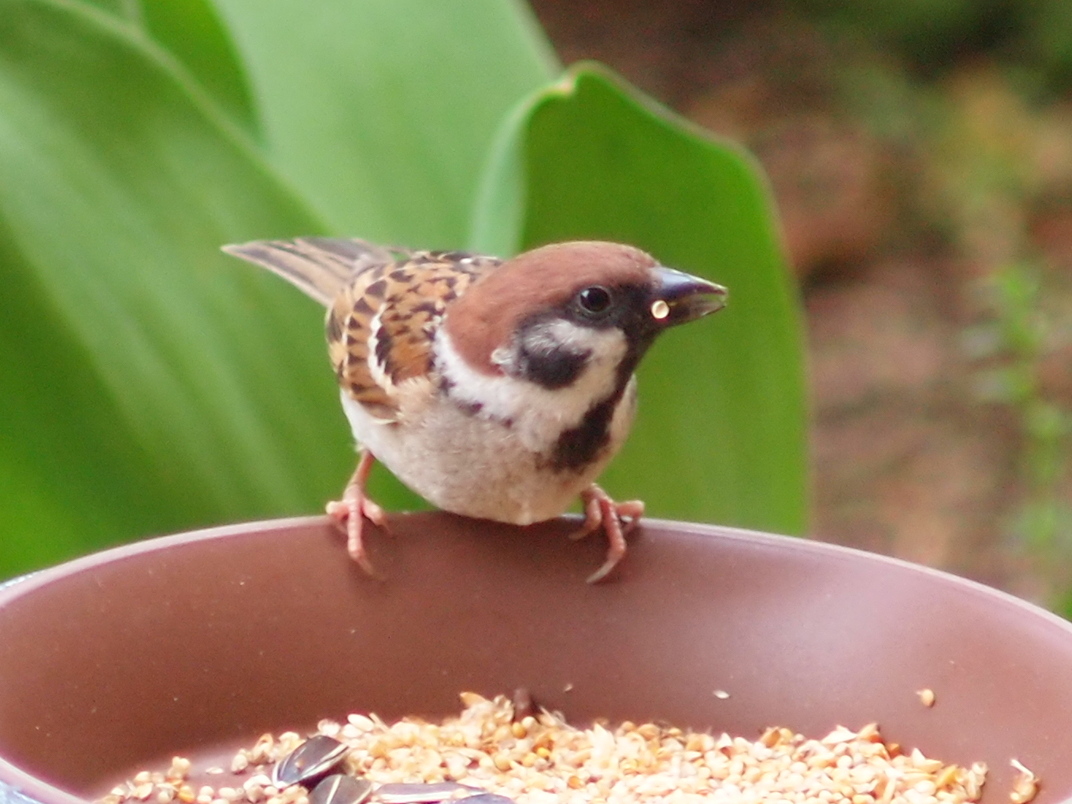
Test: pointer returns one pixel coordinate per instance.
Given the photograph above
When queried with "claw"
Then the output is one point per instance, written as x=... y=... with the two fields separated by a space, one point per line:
x=353 y=509
x=616 y=520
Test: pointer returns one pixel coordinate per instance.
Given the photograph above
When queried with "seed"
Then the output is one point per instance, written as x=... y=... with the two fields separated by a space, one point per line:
x=313 y=758
x=926 y=697
x=329 y=727
x=869 y=733
x=417 y=793
x=340 y=789
x=540 y=759
x=649 y=731
x=361 y=722
x=1025 y=786
x=502 y=762
x=770 y=738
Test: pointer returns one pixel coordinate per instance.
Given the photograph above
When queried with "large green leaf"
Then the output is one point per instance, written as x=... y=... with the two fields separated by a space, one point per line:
x=191 y=32
x=149 y=383
x=381 y=111
x=721 y=428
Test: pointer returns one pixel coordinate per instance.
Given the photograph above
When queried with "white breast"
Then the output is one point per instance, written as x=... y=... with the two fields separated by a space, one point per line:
x=491 y=463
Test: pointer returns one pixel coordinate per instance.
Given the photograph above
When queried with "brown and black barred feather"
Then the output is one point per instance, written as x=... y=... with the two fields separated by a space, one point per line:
x=384 y=306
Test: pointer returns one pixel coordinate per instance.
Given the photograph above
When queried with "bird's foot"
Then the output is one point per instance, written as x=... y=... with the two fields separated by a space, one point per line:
x=353 y=509
x=615 y=518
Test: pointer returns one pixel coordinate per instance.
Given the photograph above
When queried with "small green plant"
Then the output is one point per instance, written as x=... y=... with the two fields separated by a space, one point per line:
x=1017 y=340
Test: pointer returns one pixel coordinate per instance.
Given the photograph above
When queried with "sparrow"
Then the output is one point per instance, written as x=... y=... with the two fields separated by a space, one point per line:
x=496 y=389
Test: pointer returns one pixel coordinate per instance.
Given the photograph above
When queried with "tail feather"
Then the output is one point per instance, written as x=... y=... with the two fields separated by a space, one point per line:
x=318 y=266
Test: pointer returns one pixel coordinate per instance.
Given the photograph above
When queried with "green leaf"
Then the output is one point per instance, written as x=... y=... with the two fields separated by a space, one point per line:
x=150 y=383
x=381 y=112
x=721 y=429
x=191 y=32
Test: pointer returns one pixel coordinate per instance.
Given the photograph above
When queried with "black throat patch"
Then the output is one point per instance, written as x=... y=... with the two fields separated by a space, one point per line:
x=579 y=446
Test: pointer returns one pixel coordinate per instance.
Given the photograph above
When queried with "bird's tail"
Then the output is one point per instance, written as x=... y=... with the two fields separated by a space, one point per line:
x=318 y=266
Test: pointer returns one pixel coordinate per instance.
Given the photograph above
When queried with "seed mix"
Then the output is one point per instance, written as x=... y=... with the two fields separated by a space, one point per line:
x=532 y=756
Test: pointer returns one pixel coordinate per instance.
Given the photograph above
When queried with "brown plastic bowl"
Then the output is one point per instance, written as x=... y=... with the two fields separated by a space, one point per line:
x=197 y=643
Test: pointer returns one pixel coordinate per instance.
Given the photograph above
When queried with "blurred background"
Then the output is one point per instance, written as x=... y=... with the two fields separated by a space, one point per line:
x=921 y=156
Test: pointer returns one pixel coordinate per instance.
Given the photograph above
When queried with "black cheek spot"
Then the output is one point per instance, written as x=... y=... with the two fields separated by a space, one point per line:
x=551 y=368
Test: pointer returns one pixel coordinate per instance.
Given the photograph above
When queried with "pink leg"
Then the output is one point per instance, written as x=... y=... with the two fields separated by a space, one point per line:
x=350 y=512
x=600 y=511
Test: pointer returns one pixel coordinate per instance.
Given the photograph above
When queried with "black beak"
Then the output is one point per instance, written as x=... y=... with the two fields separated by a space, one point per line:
x=678 y=297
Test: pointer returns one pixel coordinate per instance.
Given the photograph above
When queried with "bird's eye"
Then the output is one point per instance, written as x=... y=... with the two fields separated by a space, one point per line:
x=594 y=300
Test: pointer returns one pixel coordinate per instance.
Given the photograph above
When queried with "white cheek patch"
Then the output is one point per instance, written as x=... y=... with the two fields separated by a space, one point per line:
x=537 y=414
x=604 y=346
x=608 y=346
x=560 y=334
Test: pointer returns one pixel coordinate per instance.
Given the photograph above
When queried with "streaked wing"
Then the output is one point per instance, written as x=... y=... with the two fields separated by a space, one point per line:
x=381 y=325
x=318 y=266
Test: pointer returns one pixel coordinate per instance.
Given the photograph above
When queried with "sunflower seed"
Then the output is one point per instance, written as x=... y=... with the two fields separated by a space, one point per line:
x=340 y=789
x=315 y=757
x=420 y=793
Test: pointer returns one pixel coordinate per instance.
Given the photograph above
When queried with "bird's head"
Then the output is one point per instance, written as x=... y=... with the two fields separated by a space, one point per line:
x=569 y=313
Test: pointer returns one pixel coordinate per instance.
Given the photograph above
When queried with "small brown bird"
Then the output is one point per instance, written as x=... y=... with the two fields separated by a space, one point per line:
x=496 y=389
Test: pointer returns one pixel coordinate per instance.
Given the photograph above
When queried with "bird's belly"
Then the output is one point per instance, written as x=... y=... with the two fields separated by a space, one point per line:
x=471 y=466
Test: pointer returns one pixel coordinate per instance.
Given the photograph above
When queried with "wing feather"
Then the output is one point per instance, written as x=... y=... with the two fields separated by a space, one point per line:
x=385 y=322
x=384 y=306
x=318 y=266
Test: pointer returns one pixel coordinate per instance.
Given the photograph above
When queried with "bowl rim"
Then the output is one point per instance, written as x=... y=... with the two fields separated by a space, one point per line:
x=21 y=585
x=21 y=787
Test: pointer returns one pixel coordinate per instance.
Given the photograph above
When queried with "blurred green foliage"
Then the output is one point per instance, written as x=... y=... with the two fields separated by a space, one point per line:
x=1016 y=341
x=150 y=384
x=1033 y=39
